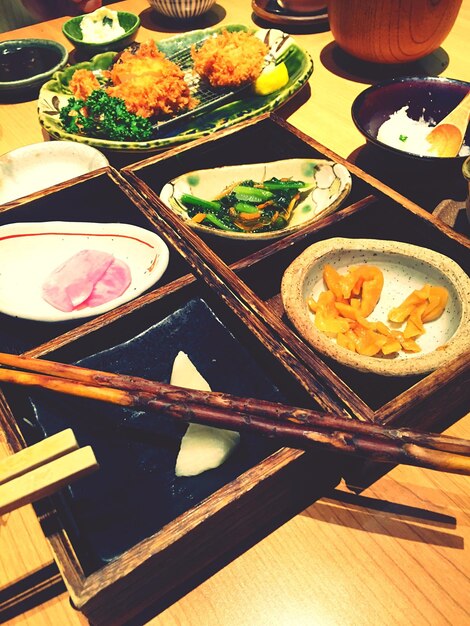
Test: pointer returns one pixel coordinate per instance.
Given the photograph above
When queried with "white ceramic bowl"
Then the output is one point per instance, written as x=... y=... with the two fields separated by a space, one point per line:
x=405 y=268
x=35 y=167
x=181 y=9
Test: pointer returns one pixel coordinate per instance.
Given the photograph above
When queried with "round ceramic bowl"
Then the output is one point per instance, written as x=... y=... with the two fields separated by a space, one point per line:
x=430 y=98
x=26 y=64
x=327 y=185
x=405 y=267
x=32 y=168
x=181 y=9
x=129 y=21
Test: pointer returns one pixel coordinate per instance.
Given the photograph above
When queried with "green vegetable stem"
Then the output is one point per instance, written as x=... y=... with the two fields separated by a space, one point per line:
x=283 y=184
x=198 y=203
x=252 y=194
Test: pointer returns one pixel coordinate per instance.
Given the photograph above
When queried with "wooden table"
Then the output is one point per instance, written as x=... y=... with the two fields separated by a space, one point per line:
x=397 y=554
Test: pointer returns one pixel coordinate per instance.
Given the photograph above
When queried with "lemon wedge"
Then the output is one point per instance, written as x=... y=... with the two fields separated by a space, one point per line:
x=272 y=78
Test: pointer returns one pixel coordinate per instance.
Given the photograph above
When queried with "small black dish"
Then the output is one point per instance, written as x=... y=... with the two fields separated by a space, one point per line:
x=26 y=64
x=136 y=492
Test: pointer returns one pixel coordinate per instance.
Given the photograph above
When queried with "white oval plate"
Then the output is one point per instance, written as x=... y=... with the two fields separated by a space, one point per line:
x=29 y=252
x=405 y=268
x=331 y=183
x=35 y=167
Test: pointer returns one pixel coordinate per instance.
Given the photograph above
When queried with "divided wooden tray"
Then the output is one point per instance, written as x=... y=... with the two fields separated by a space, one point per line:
x=131 y=534
x=127 y=538
x=254 y=271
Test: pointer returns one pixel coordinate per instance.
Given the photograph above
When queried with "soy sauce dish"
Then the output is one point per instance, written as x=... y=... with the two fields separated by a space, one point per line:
x=26 y=64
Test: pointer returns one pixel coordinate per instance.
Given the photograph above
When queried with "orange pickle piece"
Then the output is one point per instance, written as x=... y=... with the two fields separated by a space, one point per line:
x=341 y=312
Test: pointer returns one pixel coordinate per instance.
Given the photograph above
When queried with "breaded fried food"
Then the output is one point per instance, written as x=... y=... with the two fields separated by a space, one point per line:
x=230 y=59
x=150 y=84
x=83 y=82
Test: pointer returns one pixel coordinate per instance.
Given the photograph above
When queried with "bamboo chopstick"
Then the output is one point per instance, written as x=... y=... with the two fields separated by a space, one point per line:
x=42 y=469
x=297 y=427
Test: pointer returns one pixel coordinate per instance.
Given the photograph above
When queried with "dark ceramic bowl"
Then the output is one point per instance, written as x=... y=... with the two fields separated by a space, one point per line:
x=430 y=97
x=129 y=22
x=26 y=64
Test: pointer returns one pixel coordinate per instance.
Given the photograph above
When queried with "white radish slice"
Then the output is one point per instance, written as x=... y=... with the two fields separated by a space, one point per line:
x=202 y=447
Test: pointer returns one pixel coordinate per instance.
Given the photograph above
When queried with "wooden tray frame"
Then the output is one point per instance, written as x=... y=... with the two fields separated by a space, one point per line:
x=254 y=503
x=152 y=571
x=437 y=400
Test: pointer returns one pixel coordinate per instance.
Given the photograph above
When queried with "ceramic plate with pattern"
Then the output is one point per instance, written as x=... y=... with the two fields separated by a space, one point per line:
x=55 y=94
x=405 y=268
x=56 y=271
x=327 y=184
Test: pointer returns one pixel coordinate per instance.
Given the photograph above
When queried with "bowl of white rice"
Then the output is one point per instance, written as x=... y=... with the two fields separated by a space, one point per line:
x=397 y=115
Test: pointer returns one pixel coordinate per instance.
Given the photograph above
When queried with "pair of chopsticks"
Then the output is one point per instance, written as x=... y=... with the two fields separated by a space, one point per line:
x=42 y=469
x=296 y=427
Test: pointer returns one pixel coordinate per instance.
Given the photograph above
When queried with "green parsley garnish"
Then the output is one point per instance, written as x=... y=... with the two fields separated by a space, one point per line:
x=104 y=117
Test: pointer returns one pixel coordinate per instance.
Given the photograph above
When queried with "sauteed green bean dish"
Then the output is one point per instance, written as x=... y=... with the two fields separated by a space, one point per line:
x=248 y=206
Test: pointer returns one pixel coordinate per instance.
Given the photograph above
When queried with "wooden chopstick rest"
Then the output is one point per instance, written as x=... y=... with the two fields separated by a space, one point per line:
x=38 y=454
x=42 y=469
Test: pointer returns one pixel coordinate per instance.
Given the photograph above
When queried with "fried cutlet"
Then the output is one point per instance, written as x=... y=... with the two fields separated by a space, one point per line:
x=150 y=84
x=231 y=59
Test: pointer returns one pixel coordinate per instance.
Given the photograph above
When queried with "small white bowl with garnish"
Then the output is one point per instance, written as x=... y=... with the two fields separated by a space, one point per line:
x=406 y=269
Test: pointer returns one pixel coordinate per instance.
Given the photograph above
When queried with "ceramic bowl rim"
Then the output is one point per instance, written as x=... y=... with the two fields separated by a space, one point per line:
x=360 y=98
x=291 y=292
x=97 y=44
x=46 y=145
x=52 y=150
x=153 y=5
x=36 y=78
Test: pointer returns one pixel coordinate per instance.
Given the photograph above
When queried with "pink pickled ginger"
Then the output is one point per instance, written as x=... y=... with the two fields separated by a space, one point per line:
x=87 y=279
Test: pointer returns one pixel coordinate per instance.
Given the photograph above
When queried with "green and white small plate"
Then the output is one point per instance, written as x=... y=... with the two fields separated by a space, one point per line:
x=328 y=184
x=55 y=94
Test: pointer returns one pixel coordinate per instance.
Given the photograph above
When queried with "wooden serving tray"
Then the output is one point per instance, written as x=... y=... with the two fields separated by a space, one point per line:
x=254 y=271
x=132 y=534
x=115 y=560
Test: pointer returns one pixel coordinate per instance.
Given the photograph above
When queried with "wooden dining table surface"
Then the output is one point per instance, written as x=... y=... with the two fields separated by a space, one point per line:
x=397 y=553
